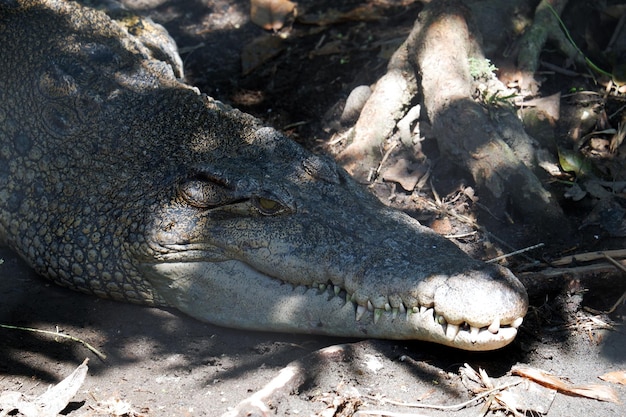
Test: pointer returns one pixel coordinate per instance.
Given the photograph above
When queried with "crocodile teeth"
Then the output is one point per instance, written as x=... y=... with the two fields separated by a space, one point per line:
x=360 y=311
x=440 y=319
x=394 y=313
x=387 y=307
x=495 y=326
x=322 y=287
x=452 y=330
x=517 y=322
x=402 y=308
x=377 y=313
x=370 y=306
x=474 y=334
x=422 y=309
x=336 y=289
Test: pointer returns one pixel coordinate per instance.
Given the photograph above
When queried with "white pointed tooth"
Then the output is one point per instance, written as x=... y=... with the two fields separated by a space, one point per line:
x=370 y=306
x=474 y=334
x=409 y=311
x=422 y=309
x=360 y=311
x=440 y=319
x=495 y=326
x=387 y=307
x=402 y=308
x=336 y=289
x=452 y=330
x=394 y=313
x=377 y=313
x=517 y=322
x=322 y=287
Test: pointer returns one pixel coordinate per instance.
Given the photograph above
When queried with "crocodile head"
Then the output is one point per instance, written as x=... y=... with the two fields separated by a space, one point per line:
x=264 y=235
x=118 y=180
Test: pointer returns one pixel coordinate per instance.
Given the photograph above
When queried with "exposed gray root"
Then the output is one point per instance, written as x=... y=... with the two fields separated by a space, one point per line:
x=388 y=103
x=465 y=132
x=487 y=140
x=545 y=26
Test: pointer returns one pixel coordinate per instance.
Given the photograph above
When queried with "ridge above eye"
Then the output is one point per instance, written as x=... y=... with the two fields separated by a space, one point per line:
x=203 y=192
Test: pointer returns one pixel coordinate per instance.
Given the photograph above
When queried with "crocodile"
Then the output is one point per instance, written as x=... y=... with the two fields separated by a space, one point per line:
x=120 y=180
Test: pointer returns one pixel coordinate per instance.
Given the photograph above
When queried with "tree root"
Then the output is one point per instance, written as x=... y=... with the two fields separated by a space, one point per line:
x=387 y=104
x=487 y=140
x=545 y=26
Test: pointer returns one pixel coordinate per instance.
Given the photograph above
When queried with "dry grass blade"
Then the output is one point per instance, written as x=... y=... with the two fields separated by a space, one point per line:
x=595 y=391
x=517 y=252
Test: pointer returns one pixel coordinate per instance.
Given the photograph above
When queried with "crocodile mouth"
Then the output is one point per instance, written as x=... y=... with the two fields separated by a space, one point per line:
x=233 y=294
x=465 y=331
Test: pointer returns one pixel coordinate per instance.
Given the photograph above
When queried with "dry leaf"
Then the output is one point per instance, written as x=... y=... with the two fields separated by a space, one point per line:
x=271 y=14
x=549 y=106
x=51 y=402
x=617 y=377
x=405 y=173
x=618 y=137
x=595 y=391
x=530 y=397
x=259 y=51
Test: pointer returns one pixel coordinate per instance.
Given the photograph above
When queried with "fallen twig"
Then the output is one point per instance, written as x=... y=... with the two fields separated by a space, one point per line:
x=96 y=352
x=386 y=413
x=575 y=270
x=614 y=262
x=589 y=256
x=517 y=252
x=453 y=407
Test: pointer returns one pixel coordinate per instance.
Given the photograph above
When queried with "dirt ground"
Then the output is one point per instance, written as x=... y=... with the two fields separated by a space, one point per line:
x=162 y=363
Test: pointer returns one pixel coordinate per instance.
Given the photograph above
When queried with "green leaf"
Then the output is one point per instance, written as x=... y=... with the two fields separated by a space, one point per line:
x=575 y=162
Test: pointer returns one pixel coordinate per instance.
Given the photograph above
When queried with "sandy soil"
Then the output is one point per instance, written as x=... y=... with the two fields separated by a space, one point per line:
x=163 y=363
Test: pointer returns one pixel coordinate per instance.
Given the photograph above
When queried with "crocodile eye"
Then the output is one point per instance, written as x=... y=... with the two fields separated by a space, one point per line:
x=268 y=207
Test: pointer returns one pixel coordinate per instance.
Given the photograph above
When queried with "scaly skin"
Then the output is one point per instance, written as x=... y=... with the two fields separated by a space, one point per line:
x=118 y=180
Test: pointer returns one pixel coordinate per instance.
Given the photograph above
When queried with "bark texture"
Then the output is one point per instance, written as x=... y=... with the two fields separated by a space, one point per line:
x=465 y=132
